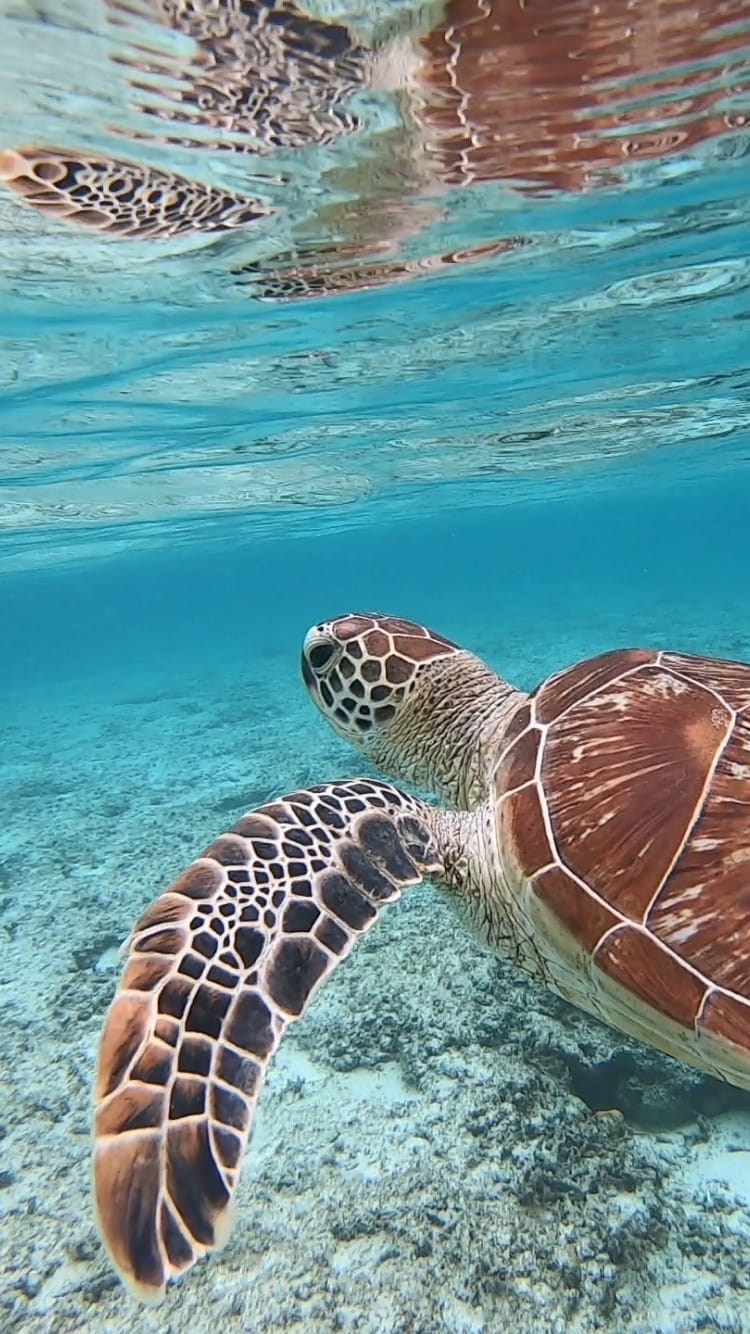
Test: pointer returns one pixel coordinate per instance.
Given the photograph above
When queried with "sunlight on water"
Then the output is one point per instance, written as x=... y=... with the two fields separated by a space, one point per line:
x=179 y=373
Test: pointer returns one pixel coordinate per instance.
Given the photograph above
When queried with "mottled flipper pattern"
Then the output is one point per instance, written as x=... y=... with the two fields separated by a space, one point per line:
x=216 y=969
x=264 y=75
x=122 y=198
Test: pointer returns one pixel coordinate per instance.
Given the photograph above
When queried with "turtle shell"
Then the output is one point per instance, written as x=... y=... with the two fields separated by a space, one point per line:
x=623 y=819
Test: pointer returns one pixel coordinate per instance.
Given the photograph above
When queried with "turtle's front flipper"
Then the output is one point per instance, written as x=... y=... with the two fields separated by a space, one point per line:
x=122 y=198
x=216 y=969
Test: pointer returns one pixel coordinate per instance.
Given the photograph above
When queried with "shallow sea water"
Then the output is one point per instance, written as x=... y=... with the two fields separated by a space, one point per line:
x=499 y=385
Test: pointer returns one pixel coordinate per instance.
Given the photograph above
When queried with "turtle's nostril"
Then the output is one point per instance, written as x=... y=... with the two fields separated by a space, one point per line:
x=319 y=655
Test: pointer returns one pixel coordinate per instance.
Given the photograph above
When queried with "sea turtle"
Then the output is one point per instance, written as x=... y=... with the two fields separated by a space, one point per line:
x=596 y=832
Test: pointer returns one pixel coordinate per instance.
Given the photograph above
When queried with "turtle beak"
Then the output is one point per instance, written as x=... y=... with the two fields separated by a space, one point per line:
x=319 y=652
x=308 y=675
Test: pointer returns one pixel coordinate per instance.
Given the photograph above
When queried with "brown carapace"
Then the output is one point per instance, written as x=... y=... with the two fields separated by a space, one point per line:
x=623 y=812
x=606 y=852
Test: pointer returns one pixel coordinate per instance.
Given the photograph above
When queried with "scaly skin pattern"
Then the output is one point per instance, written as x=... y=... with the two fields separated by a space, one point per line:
x=216 y=969
x=122 y=198
x=419 y=707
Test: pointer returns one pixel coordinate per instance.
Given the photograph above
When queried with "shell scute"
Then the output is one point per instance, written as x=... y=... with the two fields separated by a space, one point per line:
x=518 y=765
x=624 y=772
x=585 y=918
x=703 y=910
x=726 y=1019
x=730 y=680
x=522 y=831
x=635 y=961
x=569 y=687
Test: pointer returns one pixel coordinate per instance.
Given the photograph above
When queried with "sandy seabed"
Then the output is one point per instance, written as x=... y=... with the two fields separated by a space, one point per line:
x=442 y=1146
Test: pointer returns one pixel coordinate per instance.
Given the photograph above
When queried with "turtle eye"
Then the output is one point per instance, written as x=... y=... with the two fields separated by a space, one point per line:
x=319 y=655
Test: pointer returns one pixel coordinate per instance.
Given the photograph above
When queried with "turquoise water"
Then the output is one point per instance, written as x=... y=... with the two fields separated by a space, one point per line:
x=542 y=452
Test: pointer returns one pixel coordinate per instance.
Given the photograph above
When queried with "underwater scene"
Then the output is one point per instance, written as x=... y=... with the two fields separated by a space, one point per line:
x=375 y=592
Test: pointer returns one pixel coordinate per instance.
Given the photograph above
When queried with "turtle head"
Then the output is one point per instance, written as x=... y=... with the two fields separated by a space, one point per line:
x=411 y=701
